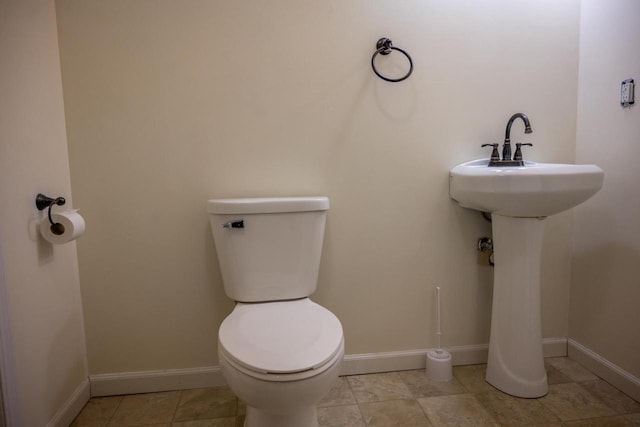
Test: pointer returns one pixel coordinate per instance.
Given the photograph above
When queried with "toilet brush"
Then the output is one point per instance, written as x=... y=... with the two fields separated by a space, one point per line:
x=439 y=366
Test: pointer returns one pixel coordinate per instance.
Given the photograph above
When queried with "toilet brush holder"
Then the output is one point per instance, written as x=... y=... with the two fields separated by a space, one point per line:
x=439 y=366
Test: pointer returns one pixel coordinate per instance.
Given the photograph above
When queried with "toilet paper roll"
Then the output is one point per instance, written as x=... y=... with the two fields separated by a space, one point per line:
x=68 y=225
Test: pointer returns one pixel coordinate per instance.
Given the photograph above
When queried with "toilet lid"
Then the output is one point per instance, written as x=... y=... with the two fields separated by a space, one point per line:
x=281 y=337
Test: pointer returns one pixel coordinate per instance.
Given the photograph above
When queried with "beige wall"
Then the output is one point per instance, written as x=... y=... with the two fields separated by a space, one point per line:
x=171 y=103
x=42 y=281
x=605 y=288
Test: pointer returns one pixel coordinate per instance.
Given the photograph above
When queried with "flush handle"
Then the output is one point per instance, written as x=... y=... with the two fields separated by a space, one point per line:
x=234 y=224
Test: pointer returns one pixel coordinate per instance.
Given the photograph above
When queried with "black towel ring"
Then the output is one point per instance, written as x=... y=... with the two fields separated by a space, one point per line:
x=384 y=47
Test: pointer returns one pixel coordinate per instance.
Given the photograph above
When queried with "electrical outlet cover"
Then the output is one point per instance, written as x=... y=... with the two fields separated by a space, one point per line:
x=627 y=96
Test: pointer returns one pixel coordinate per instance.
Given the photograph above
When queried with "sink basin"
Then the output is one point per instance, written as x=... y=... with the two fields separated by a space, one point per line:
x=533 y=190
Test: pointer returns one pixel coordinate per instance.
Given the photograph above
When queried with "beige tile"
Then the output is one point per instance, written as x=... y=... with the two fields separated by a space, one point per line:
x=340 y=394
x=618 y=421
x=614 y=399
x=456 y=410
x=150 y=408
x=634 y=419
x=390 y=413
x=97 y=412
x=514 y=411
x=572 y=402
x=206 y=403
x=554 y=376
x=420 y=386
x=472 y=377
x=389 y=399
x=217 y=422
x=340 y=416
x=377 y=387
x=571 y=368
x=242 y=408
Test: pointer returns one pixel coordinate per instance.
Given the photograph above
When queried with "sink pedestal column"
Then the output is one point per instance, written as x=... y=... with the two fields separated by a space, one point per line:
x=516 y=363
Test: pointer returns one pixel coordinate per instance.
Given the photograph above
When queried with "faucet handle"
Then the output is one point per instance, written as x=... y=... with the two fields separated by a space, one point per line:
x=518 y=154
x=494 y=154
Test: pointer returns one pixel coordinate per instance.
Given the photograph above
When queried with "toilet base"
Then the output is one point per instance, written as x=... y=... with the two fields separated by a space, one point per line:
x=278 y=403
x=305 y=417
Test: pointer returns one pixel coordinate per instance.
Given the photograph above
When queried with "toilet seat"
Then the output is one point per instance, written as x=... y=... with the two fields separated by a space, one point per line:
x=282 y=338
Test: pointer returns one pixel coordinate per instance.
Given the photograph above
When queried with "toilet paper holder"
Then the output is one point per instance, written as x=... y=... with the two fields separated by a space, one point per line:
x=43 y=202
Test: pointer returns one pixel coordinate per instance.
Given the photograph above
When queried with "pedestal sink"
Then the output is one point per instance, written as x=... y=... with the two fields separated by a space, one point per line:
x=519 y=199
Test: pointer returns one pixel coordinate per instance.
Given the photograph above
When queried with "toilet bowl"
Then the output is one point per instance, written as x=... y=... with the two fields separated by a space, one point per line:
x=281 y=358
x=279 y=352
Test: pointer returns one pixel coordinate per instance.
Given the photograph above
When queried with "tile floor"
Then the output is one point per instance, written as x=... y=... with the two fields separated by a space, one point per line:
x=576 y=398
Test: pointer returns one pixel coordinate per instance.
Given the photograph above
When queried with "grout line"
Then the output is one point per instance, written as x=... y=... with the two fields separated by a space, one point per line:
x=356 y=399
x=364 y=421
x=115 y=410
x=175 y=410
x=424 y=412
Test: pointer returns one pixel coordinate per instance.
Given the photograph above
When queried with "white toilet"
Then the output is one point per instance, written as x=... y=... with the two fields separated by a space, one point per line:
x=279 y=351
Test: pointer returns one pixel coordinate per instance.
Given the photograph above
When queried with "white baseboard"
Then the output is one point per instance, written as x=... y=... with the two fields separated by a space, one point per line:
x=357 y=364
x=354 y=364
x=72 y=407
x=151 y=381
x=613 y=374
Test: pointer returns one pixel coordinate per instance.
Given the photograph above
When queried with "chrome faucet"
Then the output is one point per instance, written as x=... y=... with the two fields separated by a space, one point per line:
x=506 y=146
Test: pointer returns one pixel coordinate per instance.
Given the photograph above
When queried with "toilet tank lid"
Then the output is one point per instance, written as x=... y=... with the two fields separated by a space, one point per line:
x=267 y=205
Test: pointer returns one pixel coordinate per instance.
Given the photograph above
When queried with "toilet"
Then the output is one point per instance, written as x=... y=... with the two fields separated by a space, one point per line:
x=279 y=352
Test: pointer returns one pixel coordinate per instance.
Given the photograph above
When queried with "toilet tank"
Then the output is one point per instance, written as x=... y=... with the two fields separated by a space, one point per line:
x=268 y=248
